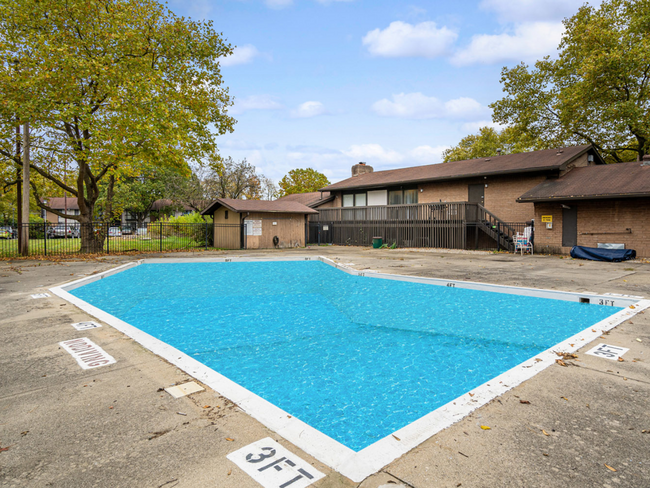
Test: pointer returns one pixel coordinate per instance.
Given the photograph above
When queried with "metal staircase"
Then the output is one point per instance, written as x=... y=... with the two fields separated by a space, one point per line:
x=496 y=228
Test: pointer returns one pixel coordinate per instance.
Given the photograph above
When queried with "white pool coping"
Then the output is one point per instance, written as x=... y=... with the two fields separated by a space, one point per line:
x=359 y=465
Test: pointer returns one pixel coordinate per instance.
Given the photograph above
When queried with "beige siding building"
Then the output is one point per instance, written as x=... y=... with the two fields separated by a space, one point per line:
x=258 y=224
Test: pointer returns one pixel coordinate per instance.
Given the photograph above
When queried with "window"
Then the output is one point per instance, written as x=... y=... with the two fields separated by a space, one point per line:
x=360 y=200
x=225 y=215
x=348 y=200
x=395 y=197
x=410 y=196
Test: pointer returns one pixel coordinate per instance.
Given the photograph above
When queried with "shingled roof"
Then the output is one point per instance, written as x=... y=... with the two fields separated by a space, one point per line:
x=536 y=161
x=311 y=199
x=60 y=203
x=263 y=206
x=622 y=180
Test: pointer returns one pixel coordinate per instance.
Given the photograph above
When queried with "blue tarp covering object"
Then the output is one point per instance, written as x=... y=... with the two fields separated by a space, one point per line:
x=596 y=254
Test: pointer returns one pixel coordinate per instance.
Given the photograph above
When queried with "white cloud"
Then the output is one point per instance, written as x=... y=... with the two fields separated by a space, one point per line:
x=532 y=10
x=401 y=39
x=529 y=42
x=241 y=55
x=419 y=106
x=373 y=152
x=474 y=127
x=309 y=109
x=428 y=154
x=278 y=4
x=255 y=102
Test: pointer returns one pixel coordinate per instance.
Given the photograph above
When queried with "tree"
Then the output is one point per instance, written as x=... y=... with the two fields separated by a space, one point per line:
x=487 y=143
x=228 y=178
x=108 y=86
x=302 y=181
x=269 y=189
x=138 y=194
x=596 y=92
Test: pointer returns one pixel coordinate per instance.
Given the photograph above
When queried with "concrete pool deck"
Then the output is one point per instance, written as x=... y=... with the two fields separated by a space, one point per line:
x=110 y=426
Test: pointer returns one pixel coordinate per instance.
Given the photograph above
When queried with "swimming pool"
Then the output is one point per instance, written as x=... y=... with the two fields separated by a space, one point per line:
x=358 y=359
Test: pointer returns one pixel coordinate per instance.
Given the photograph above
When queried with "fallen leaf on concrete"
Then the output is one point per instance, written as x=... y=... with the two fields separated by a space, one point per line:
x=610 y=468
x=110 y=408
x=564 y=398
x=646 y=431
x=525 y=402
x=206 y=406
x=639 y=340
x=560 y=362
x=396 y=437
x=471 y=394
x=229 y=472
x=229 y=439
x=545 y=433
x=4 y=449
x=485 y=427
x=24 y=433
x=620 y=359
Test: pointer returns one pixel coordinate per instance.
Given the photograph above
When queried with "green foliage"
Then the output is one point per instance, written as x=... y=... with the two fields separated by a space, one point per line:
x=108 y=86
x=302 y=181
x=596 y=92
x=487 y=142
x=191 y=218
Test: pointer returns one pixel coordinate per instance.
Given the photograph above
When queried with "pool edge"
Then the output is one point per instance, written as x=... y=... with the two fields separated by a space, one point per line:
x=359 y=465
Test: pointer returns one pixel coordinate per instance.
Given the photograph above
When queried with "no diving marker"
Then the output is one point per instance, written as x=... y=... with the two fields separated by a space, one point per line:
x=273 y=466
x=607 y=351
x=86 y=325
x=40 y=295
x=88 y=354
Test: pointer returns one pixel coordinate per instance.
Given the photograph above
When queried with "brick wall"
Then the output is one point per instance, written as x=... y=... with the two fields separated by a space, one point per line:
x=500 y=195
x=594 y=218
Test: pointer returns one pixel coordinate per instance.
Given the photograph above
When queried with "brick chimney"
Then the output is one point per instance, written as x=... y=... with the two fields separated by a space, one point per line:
x=361 y=168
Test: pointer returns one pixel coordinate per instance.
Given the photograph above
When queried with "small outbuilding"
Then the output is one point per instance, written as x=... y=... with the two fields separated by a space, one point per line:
x=605 y=206
x=258 y=224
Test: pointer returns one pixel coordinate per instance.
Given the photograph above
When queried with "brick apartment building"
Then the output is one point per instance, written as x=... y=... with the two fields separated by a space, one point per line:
x=494 y=182
x=585 y=201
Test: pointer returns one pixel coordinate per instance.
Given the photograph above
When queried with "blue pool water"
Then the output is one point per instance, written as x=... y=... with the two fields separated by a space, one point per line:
x=356 y=358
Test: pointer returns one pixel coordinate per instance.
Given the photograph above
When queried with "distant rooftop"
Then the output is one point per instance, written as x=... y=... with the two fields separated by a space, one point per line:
x=310 y=199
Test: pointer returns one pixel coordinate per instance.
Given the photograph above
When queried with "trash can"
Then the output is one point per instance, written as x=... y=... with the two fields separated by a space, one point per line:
x=377 y=242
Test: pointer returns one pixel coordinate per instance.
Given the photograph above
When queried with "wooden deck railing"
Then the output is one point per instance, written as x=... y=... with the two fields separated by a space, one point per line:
x=451 y=225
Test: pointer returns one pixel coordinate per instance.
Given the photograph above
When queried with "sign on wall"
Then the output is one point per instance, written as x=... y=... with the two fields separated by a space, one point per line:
x=547 y=218
x=253 y=227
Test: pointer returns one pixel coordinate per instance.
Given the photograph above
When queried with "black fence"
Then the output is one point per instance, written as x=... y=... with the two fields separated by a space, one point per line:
x=51 y=239
x=456 y=225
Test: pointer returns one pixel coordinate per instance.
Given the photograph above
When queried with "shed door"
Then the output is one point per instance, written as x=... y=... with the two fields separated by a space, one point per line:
x=570 y=226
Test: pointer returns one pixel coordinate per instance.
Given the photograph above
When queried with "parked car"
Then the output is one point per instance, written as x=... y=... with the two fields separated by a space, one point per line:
x=63 y=230
x=114 y=232
x=7 y=233
x=127 y=230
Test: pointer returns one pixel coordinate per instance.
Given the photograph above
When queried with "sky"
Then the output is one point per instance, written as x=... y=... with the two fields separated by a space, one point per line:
x=325 y=84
